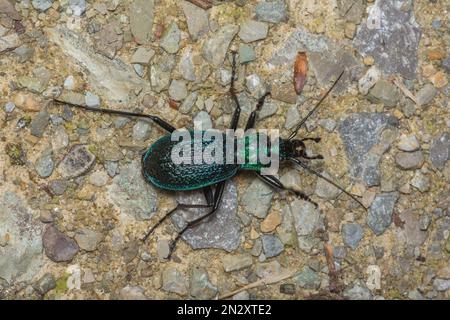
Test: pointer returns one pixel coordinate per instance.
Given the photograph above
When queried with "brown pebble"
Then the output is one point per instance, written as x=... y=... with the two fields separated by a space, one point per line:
x=439 y=79
x=272 y=221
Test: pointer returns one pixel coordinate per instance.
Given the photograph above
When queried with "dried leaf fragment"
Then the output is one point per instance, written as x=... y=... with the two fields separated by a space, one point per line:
x=300 y=71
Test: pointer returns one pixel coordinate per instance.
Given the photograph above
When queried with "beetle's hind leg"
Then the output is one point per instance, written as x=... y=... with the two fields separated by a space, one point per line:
x=274 y=182
x=217 y=198
x=209 y=200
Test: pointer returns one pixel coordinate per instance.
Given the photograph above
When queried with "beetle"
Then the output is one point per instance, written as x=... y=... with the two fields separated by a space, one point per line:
x=159 y=169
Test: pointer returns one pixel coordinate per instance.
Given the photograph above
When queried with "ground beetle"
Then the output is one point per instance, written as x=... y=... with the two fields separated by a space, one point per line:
x=159 y=170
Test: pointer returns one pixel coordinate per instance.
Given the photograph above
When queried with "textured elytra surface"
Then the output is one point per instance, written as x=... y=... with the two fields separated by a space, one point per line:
x=160 y=169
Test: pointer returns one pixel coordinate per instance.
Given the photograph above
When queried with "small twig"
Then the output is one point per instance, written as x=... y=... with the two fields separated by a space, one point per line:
x=399 y=83
x=335 y=287
x=266 y=281
x=204 y=4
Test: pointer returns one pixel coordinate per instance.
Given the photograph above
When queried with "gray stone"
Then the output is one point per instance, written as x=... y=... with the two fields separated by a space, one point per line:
x=326 y=190
x=141 y=130
x=415 y=295
x=203 y=120
x=174 y=281
x=440 y=150
x=385 y=92
x=7 y=8
x=441 y=284
x=446 y=64
x=200 y=286
x=308 y=279
x=360 y=132
x=411 y=228
x=112 y=168
x=255 y=86
x=163 y=248
x=45 y=284
x=328 y=124
x=222 y=231
x=188 y=103
x=268 y=109
x=72 y=97
x=420 y=182
x=178 y=90
x=425 y=221
x=243 y=295
x=352 y=233
x=91 y=99
x=160 y=71
x=252 y=30
x=236 y=262
x=78 y=7
x=42 y=5
x=292 y=117
x=306 y=217
x=98 y=178
x=44 y=165
x=132 y=293
x=410 y=160
x=271 y=11
x=408 y=143
x=366 y=82
x=78 y=161
x=88 y=239
x=328 y=65
x=30 y=83
x=216 y=46
x=21 y=254
x=224 y=77
x=24 y=53
x=58 y=187
x=380 y=213
x=197 y=19
x=272 y=245
x=9 y=41
x=257 y=199
x=142 y=56
x=58 y=247
x=131 y=194
x=351 y=10
x=170 y=40
x=358 y=293
x=110 y=78
x=246 y=53
x=394 y=26
x=426 y=95
x=268 y=269
x=39 y=123
x=141 y=19
x=109 y=39
x=186 y=67
x=9 y=107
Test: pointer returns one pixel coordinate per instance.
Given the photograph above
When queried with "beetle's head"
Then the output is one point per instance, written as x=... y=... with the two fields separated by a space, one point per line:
x=294 y=148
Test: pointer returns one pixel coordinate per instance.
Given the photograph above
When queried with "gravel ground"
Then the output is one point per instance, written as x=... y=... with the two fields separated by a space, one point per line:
x=73 y=203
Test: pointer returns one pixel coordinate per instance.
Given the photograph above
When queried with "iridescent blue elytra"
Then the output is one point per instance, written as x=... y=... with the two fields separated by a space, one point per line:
x=159 y=169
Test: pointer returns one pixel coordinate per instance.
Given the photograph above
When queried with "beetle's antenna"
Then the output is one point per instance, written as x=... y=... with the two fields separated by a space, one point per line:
x=304 y=166
x=156 y=119
x=294 y=133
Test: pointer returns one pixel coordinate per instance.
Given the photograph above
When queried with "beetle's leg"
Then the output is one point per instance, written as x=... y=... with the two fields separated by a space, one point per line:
x=217 y=198
x=237 y=111
x=274 y=182
x=252 y=118
x=209 y=200
x=162 y=123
